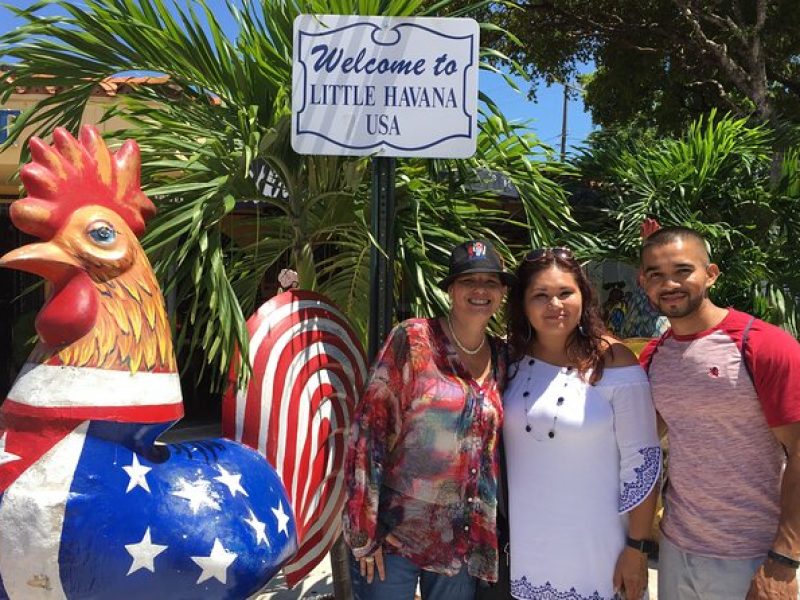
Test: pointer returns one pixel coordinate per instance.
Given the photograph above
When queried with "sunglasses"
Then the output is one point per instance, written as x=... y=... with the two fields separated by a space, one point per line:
x=558 y=252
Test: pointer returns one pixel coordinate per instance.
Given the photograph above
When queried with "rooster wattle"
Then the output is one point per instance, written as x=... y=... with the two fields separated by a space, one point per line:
x=90 y=505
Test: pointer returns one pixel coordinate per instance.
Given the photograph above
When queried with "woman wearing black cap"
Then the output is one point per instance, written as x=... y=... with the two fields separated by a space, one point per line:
x=421 y=469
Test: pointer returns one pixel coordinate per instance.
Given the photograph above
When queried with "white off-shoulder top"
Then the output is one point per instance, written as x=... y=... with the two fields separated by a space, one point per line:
x=579 y=457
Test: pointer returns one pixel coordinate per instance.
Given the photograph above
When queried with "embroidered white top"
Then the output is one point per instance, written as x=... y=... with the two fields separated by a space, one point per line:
x=578 y=457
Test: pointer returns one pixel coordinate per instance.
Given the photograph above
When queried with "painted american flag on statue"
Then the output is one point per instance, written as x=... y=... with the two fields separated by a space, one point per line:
x=91 y=508
x=116 y=519
x=309 y=369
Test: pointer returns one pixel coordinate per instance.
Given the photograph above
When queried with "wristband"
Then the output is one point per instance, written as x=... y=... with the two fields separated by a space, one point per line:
x=783 y=559
x=643 y=546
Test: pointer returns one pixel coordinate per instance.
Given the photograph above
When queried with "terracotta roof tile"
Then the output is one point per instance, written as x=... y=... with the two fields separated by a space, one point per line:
x=110 y=86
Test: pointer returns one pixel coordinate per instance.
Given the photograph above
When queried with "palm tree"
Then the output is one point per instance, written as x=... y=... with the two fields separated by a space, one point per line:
x=227 y=102
x=717 y=179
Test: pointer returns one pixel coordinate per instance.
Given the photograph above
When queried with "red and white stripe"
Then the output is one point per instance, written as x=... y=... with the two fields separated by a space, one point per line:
x=32 y=511
x=59 y=391
x=308 y=372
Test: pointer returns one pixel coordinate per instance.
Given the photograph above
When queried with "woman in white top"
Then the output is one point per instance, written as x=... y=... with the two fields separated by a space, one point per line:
x=581 y=445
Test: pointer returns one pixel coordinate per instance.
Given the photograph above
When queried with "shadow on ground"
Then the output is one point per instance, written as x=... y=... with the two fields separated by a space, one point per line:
x=312 y=588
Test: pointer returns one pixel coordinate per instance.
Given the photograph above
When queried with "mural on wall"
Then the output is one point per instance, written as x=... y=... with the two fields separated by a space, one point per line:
x=615 y=308
x=90 y=504
x=626 y=311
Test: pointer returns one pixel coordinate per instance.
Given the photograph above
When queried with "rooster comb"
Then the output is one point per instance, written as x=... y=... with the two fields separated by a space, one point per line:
x=73 y=173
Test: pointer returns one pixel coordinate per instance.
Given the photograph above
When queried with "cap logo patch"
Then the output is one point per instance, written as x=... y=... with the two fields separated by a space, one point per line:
x=476 y=250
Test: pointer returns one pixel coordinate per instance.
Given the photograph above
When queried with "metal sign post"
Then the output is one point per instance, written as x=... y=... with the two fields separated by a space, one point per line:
x=381 y=263
x=381 y=314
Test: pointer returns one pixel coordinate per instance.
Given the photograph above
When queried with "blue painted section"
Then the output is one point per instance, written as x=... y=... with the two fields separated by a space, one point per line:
x=103 y=516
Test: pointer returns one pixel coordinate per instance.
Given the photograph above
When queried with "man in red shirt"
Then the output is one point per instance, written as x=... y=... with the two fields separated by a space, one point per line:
x=727 y=387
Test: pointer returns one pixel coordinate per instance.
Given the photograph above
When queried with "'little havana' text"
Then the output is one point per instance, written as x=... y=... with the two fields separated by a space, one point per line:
x=342 y=94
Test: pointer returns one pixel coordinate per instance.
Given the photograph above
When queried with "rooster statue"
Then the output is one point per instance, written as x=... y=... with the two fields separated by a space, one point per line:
x=90 y=505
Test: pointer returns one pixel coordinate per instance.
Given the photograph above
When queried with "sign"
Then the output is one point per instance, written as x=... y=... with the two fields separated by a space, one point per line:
x=385 y=86
x=266 y=180
x=6 y=120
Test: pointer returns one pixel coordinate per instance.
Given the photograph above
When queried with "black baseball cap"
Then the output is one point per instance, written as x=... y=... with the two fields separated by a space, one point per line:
x=476 y=256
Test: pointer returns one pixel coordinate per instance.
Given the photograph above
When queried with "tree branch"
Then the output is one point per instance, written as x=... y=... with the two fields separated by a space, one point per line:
x=727 y=25
x=719 y=52
x=761 y=16
x=720 y=89
x=758 y=67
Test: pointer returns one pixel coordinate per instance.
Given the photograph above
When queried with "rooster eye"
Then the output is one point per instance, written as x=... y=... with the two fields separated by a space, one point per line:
x=103 y=234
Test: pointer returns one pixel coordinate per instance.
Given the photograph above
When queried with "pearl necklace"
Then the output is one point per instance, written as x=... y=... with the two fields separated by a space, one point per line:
x=461 y=346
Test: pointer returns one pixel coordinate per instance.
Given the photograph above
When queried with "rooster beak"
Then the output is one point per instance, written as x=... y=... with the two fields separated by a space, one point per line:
x=45 y=259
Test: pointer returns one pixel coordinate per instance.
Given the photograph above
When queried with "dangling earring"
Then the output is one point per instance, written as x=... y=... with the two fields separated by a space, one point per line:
x=529 y=335
x=581 y=331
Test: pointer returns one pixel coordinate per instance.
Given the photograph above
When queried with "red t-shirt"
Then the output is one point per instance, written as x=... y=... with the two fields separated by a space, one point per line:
x=725 y=465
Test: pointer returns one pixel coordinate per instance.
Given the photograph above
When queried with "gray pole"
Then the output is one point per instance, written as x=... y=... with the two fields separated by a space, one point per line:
x=340 y=569
x=381 y=266
x=564 y=124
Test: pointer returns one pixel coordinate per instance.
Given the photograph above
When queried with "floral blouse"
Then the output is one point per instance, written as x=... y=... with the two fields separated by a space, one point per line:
x=422 y=456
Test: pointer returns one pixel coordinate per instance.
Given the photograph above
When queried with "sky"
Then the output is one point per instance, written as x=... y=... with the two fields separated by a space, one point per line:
x=543 y=117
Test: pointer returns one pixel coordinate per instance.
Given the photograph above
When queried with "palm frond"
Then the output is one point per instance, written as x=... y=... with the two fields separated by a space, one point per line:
x=224 y=103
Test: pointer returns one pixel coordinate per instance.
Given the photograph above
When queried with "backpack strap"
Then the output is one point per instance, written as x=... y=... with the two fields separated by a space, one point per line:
x=746 y=364
x=502 y=484
x=660 y=341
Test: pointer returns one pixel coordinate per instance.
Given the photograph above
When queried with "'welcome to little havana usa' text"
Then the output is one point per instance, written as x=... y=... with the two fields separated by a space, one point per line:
x=331 y=59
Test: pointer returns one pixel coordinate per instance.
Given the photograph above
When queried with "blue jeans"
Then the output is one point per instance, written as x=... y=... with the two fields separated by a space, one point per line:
x=401 y=582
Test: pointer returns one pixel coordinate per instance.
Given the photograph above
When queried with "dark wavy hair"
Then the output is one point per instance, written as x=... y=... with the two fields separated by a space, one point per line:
x=585 y=346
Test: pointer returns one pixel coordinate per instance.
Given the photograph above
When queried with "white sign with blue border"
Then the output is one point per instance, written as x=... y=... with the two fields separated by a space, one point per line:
x=385 y=86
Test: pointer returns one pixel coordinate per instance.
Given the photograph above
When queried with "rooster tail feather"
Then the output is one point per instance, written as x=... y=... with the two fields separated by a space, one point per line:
x=308 y=371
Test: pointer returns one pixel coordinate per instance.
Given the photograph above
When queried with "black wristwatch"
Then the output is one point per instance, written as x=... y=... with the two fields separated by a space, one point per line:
x=645 y=546
x=783 y=559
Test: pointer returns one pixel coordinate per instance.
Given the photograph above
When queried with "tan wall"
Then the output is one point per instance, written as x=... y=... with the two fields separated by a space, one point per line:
x=9 y=158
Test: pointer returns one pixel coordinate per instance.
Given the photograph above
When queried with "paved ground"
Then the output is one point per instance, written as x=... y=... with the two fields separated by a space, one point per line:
x=317 y=585
x=653 y=582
